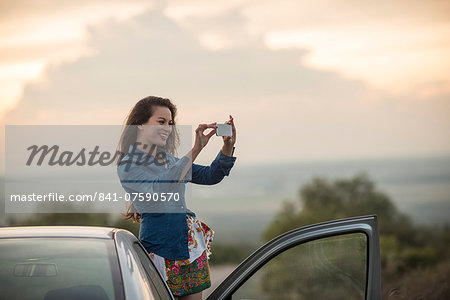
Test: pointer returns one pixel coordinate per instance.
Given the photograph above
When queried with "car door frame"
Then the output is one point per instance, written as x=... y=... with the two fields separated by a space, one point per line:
x=124 y=240
x=364 y=224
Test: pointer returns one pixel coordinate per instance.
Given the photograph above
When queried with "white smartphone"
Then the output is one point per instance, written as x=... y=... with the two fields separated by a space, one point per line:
x=224 y=130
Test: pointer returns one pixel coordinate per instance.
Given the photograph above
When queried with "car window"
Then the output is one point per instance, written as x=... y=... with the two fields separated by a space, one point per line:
x=327 y=268
x=152 y=273
x=59 y=268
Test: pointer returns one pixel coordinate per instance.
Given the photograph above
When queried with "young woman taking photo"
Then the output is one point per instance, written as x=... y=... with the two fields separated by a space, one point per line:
x=178 y=242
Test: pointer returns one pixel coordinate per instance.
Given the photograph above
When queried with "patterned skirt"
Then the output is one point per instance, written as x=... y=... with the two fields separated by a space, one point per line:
x=189 y=276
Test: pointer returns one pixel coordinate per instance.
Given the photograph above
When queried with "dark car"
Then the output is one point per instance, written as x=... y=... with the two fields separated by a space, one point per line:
x=333 y=260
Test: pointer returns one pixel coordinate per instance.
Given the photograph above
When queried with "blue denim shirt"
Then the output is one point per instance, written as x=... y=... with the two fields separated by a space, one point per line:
x=164 y=231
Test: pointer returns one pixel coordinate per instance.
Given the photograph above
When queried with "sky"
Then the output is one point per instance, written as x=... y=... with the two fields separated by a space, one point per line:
x=322 y=80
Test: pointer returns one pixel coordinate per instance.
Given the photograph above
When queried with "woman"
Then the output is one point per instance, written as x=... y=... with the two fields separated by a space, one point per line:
x=176 y=240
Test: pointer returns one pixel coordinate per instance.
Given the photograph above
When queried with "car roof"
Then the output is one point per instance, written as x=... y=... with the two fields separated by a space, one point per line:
x=58 y=231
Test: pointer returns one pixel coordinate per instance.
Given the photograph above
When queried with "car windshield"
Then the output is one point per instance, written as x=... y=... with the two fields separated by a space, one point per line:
x=59 y=268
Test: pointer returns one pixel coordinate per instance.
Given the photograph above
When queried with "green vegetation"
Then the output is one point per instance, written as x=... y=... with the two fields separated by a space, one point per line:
x=229 y=253
x=409 y=253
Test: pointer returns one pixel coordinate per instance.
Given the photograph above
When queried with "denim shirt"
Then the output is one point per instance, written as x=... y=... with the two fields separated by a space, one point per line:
x=165 y=231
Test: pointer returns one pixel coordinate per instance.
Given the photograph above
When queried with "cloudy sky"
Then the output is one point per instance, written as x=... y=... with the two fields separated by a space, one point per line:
x=304 y=80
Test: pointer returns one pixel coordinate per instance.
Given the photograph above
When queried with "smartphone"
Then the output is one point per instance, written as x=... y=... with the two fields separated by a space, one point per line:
x=224 y=130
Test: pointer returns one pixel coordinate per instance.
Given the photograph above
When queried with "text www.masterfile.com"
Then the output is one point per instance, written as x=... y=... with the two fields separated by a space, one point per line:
x=92 y=197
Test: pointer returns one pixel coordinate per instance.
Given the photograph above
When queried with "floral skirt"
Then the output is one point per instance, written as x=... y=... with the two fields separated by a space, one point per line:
x=189 y=276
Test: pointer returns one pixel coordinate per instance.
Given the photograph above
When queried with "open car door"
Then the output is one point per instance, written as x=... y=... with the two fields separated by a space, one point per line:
x=332 y=260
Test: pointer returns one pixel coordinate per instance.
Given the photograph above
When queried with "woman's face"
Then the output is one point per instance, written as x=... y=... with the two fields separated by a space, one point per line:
x=160 y=127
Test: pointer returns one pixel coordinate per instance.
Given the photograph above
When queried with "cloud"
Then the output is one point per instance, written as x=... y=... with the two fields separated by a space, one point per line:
x=398 y=46
x=284 y=109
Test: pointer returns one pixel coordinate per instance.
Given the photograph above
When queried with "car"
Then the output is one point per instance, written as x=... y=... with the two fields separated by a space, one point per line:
x=331 y=260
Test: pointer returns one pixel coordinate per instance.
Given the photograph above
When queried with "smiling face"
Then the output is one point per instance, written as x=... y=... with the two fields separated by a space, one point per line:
x=159 y=129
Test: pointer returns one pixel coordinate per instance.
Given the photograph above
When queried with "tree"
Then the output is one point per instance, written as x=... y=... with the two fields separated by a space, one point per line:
x=405 y=248
x=324 y=200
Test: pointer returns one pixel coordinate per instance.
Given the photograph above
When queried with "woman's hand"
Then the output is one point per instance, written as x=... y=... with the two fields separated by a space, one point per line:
x=228 y=141
x=202 y=139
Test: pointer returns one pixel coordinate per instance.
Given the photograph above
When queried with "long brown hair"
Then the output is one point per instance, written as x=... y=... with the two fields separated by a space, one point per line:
x=139 y=114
